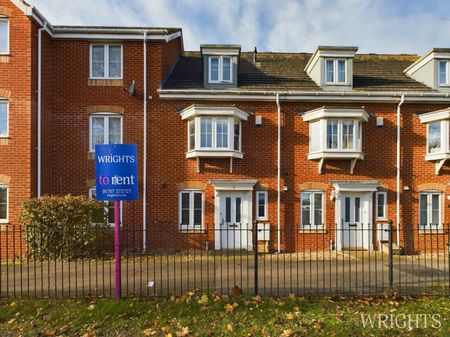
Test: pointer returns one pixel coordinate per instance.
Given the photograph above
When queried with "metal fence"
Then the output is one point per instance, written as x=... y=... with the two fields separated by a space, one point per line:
x=311 y=261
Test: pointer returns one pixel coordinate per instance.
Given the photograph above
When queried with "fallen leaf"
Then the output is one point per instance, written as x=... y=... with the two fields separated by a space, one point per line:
x=183 y=332
x=91 y=307
x=230 y=327
x=149 y=332
x=286 y=333
x=290 y=316
x=203 y=300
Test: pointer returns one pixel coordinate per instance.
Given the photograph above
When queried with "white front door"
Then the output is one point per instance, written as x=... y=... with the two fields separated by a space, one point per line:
x=234 y=220
x=354 y=221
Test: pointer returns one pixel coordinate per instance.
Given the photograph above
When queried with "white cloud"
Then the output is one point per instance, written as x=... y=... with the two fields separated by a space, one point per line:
x=275 y=25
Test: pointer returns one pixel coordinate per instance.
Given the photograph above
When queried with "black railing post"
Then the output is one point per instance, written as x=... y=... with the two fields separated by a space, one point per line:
x=391 y=258
x=255 y=243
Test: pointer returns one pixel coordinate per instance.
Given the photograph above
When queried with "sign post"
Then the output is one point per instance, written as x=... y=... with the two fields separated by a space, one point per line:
x=116 y=180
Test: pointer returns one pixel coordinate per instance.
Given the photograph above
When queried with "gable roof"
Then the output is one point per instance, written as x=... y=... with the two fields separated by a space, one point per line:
x=285 y=71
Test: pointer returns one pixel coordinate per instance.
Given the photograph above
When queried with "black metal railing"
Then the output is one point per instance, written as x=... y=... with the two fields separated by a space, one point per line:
x=324 y=260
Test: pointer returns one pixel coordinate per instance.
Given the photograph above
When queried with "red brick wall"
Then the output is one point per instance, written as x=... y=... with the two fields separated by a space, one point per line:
x=16 y=73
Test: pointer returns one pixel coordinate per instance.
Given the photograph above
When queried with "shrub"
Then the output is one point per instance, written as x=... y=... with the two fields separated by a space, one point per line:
x=64 y=227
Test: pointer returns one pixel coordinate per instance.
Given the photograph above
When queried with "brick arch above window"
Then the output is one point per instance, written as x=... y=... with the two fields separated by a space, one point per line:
x=431 y=187
x=106 y=108
x=313 y=186
x=4 y=179
x=185 y=185
x=5 y=11
x=5 y=94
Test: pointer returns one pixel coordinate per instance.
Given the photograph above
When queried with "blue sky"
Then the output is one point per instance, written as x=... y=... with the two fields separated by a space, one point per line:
x=380 y=26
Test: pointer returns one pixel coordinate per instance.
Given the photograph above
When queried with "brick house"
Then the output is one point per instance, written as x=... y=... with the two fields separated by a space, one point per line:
x=304 y=143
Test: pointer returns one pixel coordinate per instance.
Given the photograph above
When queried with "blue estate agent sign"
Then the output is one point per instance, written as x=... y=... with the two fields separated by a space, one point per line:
x=116 y=172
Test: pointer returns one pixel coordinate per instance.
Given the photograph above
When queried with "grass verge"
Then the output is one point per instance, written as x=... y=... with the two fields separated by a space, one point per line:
x=195 y=314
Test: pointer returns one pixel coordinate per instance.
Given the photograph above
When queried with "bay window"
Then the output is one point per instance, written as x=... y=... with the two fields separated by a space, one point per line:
x=215 y=134
x=434 y=138
x=341 y=134
x=312 y=205
x=430 y=209
x=105 y=129
x=191 y=204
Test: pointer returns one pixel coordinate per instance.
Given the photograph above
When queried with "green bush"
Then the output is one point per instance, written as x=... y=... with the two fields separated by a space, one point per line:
x=66 y=227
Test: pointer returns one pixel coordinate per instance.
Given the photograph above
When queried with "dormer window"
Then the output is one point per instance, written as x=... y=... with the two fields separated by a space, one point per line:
x=214 y=132
x=335 y=134
x=444 y=78
x=432 y=69
x=336 y=71
x=220 y=65
x=331 y=67
x=220 y=69
x=438 y=140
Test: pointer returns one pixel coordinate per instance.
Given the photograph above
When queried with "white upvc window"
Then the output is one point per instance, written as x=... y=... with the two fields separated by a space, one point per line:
x=214 y=133
x=443 y=73
x=262 y=201
x=109 y=208
x=106 y=61
x=430 y=209
x=4 y=119
x=437 y=137
x=341 y=135
x=4 y=203
x=381 y=205
x=4 y=36
x=105 y=129
x=312 y=208
x=336 y=71
x=191 y=206
x=220 y=69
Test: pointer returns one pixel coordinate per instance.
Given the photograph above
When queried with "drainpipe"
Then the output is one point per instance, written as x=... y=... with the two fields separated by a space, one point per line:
x=279 y=175
x=39 y=112
x=144 y=189
x=402 y=99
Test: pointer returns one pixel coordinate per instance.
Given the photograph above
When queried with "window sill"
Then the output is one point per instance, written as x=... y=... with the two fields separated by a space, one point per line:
x=313 y=230
x=4 y=58
x=105 y=82
x=337 y=154
x=214 y=154
x=432 y=231
x=191 y=230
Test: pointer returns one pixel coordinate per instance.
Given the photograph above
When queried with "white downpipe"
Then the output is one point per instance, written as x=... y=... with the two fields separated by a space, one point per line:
x=39 y=113
x=144 y=189
x=402 y=99
x=279 y=176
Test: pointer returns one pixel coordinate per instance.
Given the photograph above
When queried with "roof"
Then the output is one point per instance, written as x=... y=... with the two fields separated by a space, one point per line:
x=285 y=71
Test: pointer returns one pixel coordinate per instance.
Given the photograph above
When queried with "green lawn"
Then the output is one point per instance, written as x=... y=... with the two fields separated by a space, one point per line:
x=197 y=315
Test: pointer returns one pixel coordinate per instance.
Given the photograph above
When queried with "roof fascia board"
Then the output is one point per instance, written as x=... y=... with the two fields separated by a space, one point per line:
x=199 y=110
x=435 y=116
x=325 y=112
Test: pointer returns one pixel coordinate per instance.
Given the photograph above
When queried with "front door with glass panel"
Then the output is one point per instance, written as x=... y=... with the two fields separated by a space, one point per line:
x=231 y=218
x=353 y=232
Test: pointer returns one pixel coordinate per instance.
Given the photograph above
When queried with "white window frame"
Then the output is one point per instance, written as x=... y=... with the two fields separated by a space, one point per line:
x=357 y=135
x=2 y=18
x=311 y=213
x=5 y=221
x=91 y=196
x=6 y=135
x=447 y=74
x=266 y=204
x=378 y=217
x=444 y=125
x=190 y=226
x=336 y=72
x=429 y=195
x=231 y=122
x=106 y=61
x=220 y=80
x=106 y=128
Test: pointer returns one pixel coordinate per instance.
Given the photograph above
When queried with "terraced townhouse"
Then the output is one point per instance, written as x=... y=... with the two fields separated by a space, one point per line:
x=306 y=146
